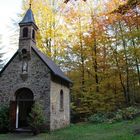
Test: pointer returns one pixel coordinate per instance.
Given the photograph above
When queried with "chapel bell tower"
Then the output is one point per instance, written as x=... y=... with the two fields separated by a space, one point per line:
x=27 y=37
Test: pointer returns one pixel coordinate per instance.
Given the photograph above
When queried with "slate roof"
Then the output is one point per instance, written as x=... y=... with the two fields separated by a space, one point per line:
x=51 y=65
x=28 y=18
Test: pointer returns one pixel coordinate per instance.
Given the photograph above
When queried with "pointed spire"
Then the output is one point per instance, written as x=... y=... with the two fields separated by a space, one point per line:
x=29 y=17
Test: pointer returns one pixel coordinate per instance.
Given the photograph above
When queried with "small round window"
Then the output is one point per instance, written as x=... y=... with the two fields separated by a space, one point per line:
x=24 y=51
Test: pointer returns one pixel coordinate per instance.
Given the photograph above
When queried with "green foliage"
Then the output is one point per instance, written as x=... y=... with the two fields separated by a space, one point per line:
x=125 y=114
x=128 y=113
x=117 y=117
x=37 y=118
x=97 y=118
x=90 y=103
x=4 y=118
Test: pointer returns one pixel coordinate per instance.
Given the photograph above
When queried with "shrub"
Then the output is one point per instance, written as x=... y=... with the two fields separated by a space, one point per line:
x=4 y=118
x=121 y=114
x=37 y=118
x=126 y=114
x=97 y=118
x=129 y=113
x=117 y=116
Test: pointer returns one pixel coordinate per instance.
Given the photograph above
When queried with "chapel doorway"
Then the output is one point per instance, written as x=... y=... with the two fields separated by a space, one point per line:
x=24 y=101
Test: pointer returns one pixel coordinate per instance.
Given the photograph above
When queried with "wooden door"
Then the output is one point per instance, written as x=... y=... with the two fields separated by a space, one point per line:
x=13 y=106
x=24 y=111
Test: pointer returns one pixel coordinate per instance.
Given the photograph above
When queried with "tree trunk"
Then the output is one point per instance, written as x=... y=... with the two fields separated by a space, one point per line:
x=120 y=76
x=95 y=65
x=126 y=63
x=82 y=58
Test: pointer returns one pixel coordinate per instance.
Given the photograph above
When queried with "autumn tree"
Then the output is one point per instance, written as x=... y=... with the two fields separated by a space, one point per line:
x=97 y=46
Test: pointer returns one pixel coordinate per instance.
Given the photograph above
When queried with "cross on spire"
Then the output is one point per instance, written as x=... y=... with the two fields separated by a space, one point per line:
x=30 y=4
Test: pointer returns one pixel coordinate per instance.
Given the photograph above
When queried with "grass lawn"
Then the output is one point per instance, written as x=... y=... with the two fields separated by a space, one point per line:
x=85 y=131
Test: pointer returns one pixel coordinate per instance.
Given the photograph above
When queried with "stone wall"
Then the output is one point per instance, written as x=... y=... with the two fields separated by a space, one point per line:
x=38 y=81
x=59 y=118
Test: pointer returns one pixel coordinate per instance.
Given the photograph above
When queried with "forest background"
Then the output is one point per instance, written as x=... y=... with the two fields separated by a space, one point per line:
x=97 y=45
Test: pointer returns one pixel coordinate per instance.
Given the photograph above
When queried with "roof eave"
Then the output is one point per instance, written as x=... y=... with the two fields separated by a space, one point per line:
x=66 y=79
x=8 y=63
x=28 y=23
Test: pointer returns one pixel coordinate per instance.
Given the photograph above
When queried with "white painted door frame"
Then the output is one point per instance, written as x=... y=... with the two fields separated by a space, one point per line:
x=17 y=115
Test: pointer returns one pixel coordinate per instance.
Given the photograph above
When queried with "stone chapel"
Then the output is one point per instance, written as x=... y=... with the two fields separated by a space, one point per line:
x=31 y=76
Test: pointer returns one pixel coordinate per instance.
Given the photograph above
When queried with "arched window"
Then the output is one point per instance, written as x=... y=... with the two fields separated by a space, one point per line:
x=25 y=32
x=33 y=34
x=61 y=100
